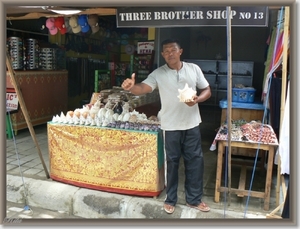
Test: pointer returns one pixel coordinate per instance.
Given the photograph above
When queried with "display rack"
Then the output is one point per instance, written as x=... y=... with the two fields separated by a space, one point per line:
x=123 y=61
x=122 y=71
x=141 y=65
x=102 y=80
x=215 y=71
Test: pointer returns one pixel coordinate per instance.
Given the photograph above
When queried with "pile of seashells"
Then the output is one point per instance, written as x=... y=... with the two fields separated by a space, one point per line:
x=109 y=116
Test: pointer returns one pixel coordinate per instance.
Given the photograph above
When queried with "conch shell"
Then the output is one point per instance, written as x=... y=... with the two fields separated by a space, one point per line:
x=186 y=94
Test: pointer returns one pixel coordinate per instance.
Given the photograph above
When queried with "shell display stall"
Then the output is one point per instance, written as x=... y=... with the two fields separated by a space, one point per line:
x=107 y=145
x=252 y=135
x=113 y=108
x=254 y=132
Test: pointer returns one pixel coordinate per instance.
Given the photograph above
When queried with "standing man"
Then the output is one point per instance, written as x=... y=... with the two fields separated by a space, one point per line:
x=179 y=122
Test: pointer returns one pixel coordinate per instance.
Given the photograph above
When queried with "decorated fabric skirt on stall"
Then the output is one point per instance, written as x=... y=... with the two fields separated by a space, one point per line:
x=112 y=160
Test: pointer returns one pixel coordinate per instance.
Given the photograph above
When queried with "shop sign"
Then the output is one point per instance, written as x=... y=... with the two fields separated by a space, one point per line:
x=145 y=47
x=191 y=16
x=11 y=101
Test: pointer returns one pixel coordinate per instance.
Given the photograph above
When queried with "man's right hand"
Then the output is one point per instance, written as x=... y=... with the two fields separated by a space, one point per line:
x=128 y=83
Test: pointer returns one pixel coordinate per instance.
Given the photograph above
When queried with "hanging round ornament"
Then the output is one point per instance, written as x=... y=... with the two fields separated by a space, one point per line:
x=129 y=49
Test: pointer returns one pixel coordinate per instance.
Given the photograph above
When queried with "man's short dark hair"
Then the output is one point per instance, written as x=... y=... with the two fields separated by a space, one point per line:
x=170 y=40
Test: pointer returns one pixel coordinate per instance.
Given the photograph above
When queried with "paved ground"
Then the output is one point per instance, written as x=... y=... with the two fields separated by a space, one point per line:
x=21 y=211
x=24 y=167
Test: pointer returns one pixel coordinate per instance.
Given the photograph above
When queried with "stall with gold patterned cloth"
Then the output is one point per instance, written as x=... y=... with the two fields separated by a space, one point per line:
x=107 y=159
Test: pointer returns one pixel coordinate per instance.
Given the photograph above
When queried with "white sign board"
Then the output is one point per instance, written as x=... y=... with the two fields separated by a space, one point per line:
x=145 y=47
x=11 y=101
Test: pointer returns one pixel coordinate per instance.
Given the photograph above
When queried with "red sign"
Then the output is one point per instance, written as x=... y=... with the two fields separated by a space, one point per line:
x=12 y=101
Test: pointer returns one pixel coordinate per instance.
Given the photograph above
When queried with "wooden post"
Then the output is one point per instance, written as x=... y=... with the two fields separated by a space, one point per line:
x=283 y=91
x=229 y=87
x=24 y=110
x=96 y=86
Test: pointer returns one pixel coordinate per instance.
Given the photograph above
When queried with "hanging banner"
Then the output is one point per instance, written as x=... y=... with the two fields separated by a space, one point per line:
x=191 y=16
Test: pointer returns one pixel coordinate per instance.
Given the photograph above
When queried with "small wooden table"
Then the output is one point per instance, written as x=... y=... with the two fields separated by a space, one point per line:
x=241 y=189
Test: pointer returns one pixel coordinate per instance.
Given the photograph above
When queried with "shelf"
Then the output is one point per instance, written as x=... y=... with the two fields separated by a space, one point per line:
x=220 y=90
x=215 y=71
x=102 y=79
x=142 y=65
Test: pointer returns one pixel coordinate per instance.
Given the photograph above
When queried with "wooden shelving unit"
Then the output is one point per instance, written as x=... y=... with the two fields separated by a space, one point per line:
x=215 y=71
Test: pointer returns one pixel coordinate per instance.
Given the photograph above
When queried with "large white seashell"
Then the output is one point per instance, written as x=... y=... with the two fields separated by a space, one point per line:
x=126 y=117
x=134 y=112
x=98 y=122
x=54 y=119
x=93 y=122
x=71 y=121
x=115 y=116
x=142 y=117
x=109 y=113
x=94 y=110
x=81 y=122
x=120 y=117
x=110 y=119
x=76 y=120
x=105 y=123
x=92 y=116
x=97 y=104
x=62 y=118
x=68 y=116
x=87 y=122
x=101 y=112
x=85 y=108
x=126 y=107
x=89 y=118
x=96 y=107
x=82 y=118
x=133 y=118
x=153 y=118
x=186 y=94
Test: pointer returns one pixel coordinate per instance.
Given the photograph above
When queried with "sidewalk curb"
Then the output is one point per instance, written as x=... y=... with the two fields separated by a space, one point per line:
x=93 y=204
x=87 y=203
